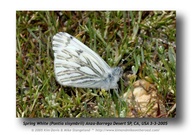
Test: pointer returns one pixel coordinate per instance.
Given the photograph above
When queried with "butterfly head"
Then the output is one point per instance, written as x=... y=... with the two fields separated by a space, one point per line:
x=118 y=71
x=114 y=76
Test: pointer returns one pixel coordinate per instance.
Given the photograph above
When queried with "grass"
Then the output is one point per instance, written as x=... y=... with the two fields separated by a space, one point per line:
x=142 y=43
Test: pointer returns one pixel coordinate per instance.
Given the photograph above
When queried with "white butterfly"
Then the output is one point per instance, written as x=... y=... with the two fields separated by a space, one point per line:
x=77 y=65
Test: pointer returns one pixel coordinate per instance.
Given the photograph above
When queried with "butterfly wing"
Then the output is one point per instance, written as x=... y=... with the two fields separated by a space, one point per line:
x=77 y=65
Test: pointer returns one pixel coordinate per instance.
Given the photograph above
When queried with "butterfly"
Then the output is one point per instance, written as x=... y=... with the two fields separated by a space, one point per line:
x=77 y=65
